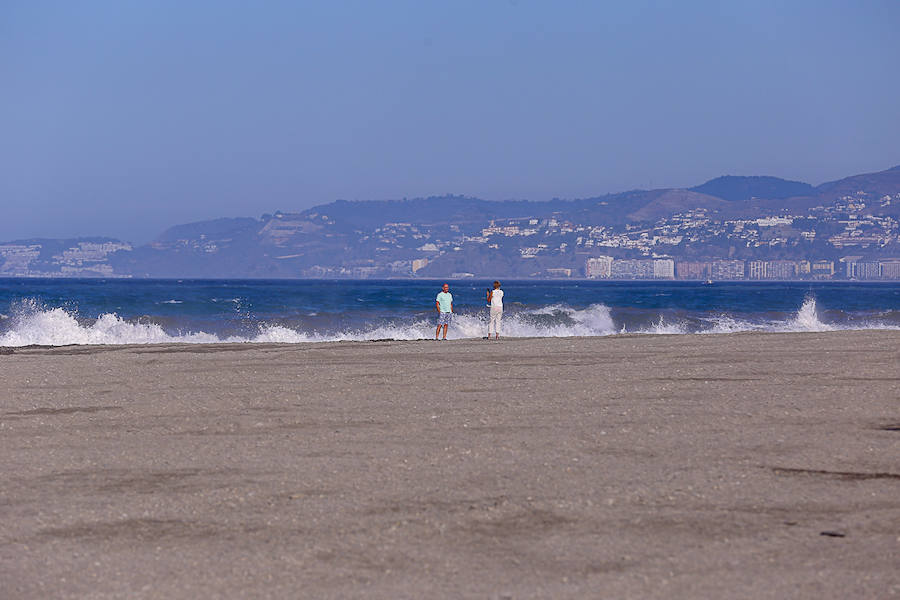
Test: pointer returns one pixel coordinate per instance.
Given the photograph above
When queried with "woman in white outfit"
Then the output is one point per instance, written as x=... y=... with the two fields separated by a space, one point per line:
x=495 y=300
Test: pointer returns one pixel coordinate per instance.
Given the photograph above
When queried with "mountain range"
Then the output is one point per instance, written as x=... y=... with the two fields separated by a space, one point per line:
x=440 y=236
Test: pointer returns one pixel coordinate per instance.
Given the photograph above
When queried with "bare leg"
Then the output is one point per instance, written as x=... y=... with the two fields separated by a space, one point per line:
x=437 y=331
x=445 y=332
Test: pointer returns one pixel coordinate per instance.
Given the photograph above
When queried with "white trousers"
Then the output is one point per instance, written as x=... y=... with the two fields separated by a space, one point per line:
x=496 y=316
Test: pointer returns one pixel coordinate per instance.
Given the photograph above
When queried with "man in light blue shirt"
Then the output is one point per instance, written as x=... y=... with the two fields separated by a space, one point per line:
x=444 y=305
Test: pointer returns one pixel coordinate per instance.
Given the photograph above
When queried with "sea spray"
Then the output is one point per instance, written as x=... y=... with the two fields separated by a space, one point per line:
x=807 y=318
x=663 y=328
x=558 y=320
x=722 y=323
x=74 y=312
x=34 y=325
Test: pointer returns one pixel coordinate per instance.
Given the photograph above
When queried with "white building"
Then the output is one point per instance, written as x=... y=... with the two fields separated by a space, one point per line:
x=664 y=268
x=774 y=221
x=599 y=267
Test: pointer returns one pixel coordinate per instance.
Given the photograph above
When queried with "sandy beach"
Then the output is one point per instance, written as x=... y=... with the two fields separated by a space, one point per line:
x=693 y=466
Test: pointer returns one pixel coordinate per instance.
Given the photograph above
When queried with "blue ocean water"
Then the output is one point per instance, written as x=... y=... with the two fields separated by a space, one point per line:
x=93 y=311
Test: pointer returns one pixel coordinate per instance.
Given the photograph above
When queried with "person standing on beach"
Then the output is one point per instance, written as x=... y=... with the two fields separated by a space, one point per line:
x=495 y=301
x=444 y=305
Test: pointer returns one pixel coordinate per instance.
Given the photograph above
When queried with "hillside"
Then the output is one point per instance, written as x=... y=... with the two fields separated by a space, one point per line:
x=740 y=218
x=214 y=229
x=737 y=189
x=879 y=183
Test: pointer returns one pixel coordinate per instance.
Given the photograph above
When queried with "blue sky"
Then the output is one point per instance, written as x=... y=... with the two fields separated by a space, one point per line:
x=121 y=118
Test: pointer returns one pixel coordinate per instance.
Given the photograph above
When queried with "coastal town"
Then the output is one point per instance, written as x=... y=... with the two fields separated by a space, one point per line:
x=856 y=236
x=80 y=259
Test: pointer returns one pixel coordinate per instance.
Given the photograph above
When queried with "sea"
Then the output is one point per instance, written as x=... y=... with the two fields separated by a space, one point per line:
x=57 y=312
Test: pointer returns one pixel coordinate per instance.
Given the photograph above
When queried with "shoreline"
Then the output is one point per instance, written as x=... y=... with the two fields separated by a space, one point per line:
x=253 y=344
x=479 y=279
x=749 y=464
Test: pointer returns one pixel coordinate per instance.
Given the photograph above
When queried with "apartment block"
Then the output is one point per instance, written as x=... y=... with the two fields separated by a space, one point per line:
x=599 y=267
x=823 y=268
x=631 y=268
x=419 y=263
x=781 y=269
x=890 y=269
x=692 y=270
x=864 y=270
x=757 y=269
x=664 y=268
x=726 y=269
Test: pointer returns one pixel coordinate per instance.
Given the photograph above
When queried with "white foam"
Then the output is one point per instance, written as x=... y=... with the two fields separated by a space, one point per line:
x=35 y=325
x=281 y=334
x=807 y=319
x=728 y=324
x=548 y=310
x=32 y=324
x=663 y=328
x=593 y=320
x=56 y=327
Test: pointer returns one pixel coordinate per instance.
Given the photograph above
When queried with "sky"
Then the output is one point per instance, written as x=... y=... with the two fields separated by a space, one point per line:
x=121 y=118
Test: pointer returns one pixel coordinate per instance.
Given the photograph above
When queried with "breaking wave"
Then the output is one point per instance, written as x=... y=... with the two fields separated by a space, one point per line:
x=30 y=323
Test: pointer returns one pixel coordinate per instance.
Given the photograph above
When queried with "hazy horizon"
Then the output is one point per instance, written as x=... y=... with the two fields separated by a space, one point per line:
x=123 y=120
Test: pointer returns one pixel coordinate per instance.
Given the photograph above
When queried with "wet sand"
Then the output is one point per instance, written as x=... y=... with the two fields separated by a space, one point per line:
x=703 y=466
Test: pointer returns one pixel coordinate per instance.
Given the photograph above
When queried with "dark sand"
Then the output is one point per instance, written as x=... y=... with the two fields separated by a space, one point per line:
x=693 y=466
